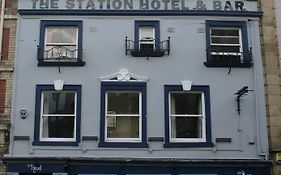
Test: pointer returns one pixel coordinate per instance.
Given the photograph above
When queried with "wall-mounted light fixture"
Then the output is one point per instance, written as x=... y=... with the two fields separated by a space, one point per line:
x=186 y=85
x=58 y=84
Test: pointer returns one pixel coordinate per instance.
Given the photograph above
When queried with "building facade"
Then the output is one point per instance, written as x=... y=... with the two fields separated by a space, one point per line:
x=138 y=87
x=271 y=46
x=8 y=18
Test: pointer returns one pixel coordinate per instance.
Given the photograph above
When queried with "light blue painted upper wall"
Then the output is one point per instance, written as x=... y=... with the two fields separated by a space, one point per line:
x=104 y=54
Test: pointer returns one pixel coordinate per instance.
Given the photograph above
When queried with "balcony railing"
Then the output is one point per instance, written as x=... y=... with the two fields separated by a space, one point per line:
x=147 y=47
x=59 y=55
x=229 y=59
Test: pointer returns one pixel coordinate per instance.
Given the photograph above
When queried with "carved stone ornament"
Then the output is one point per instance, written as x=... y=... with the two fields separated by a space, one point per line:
x=123 y=75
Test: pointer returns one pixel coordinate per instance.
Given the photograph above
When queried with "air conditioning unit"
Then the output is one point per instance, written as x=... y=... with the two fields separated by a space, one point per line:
x=278 y=157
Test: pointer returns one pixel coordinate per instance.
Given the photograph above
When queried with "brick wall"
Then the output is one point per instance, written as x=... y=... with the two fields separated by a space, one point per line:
x=5 y=43
x=272 y=73
x=6 y=75
x=8 y=3
x=2 y=96
x=278 y=24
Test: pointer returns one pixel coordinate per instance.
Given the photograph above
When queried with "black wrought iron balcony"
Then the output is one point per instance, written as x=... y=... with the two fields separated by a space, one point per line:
x=147 y=47
x=59 y=55
x=229 y=59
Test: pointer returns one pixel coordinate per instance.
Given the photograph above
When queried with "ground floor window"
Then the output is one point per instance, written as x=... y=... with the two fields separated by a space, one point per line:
x=187 y=116
x=57 y=115
x=123 y=119
x=123 y=111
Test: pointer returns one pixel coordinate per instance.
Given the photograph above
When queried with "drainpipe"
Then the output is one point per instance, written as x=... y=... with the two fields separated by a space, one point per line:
x=2 y=26
x=258 y=100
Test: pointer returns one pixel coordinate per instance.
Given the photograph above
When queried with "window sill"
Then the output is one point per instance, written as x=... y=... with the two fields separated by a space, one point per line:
x=52 y=63
x=139 y=53
x=123 y=145
x=188 y=144
x=54 y=143
x=225 y=64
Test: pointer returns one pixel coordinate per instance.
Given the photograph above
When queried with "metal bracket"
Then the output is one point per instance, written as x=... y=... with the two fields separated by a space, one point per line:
x=240 y=93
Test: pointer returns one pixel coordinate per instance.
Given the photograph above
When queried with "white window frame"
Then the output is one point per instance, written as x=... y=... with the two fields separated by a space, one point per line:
x=139 y=139
x=202 y=116
x=228 y=53
x=141 y=37
x=62 y=115
x=46 y=44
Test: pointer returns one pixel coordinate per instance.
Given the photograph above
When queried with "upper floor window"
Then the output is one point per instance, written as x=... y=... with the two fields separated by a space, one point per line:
x=187 y=116
x=227 y=44
x=60 y=43
x=123 y=121
x=147 y=40
x=57 y=115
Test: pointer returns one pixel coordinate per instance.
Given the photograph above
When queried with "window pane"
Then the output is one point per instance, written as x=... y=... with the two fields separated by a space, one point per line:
x=233 y=49
x=186 y=127
x=123 y=102
x=224 y=40
x=226 y=45
x=224 y=32
x=58 y=102
x=62 y=52
x=58 y=127
x=61 y=34
x=122 y=127
x=147 y=37
x=146 y=46
x=227 y=58
x=146 y=31
x=186 y=103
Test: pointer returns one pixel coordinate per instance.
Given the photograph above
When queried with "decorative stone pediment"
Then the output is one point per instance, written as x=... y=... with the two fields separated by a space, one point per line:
x=123 y=75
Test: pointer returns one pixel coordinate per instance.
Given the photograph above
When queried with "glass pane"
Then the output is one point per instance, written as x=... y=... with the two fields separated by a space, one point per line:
x=58 y=102
x=58 y=127
x=122 y=127
x=222 y=40
x=146 y=32
x=226 y=58
x=63 y=52
x=224 y=32
x=226 y=49
x=146 y=47
x=122 y=102
x=186 y=103
x=61 y=34
x=186 y=127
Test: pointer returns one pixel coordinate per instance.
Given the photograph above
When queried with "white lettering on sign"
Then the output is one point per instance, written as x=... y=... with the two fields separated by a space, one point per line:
x=242 y=172
x=140 y=5
x=34 y=168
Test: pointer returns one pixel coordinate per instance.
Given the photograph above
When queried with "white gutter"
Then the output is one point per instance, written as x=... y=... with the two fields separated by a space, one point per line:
x=2 y=26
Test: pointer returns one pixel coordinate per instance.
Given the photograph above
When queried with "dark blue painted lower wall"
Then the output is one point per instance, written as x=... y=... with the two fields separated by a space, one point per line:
x=173 y=170
x=143 y=167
